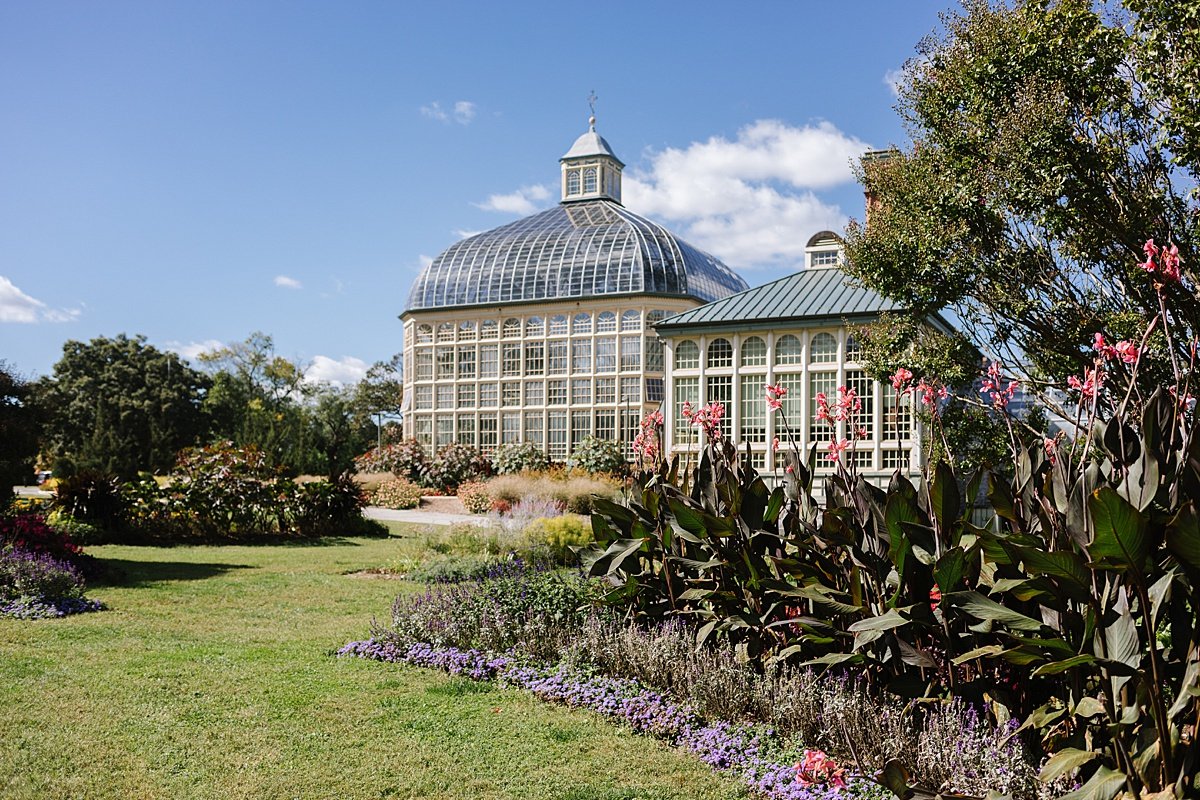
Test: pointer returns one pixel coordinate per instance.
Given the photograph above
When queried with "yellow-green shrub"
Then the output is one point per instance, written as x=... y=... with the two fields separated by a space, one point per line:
x=397 y=493
x=559 y=534
x=475 y=497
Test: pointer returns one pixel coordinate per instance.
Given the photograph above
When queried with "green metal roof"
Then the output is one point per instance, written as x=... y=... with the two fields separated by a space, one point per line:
x=819 y=293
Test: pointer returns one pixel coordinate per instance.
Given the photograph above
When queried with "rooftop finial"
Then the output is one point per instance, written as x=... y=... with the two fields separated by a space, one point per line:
x=592 y=106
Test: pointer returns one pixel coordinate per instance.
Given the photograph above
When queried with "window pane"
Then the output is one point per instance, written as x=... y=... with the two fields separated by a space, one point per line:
x=488 y=358
x=720 y=353
x=557 y=349
x=720 y=390
x=606 y=354
x=820 y=382
x=466 y=361
x=824 y=349
x=864 y=387
x=754 y=408
x=687 y=390
x=754 y=352
x=581 y=355
x=687 y=355
x=631 y=353
x=606 y=322
x=631 y=321
x=787 y=350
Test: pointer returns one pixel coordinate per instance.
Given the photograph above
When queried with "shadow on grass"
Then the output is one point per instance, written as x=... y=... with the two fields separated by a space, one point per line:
x=129 y=573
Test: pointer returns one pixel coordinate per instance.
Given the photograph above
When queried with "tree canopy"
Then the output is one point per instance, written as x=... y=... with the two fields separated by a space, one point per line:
x=1050 y=140
x=121 y=405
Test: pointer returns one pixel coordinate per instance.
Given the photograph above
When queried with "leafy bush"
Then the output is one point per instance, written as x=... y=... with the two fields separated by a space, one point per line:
x=595 y=456
x=398 y=493
x=474 y=497
x=78 y=531
x=456 y=464
x=30 y=532
x=406 y=459
x=453 y=568
x=91 y=496
x=558 y=535
x=222 y=492
x=520 y=457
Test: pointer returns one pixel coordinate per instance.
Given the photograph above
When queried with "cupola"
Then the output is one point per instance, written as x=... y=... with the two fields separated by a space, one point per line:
x=590 y=169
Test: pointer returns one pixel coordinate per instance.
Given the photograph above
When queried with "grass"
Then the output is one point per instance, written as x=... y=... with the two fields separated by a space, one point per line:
x=212 y=676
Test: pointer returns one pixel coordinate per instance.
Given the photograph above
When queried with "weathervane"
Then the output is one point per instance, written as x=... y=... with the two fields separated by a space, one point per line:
x=592 y=106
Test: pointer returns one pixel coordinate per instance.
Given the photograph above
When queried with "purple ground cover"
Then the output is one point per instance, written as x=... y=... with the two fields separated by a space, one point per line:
x=724 y=746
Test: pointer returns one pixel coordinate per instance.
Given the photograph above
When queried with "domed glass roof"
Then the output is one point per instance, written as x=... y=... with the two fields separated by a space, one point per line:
x=581 y=249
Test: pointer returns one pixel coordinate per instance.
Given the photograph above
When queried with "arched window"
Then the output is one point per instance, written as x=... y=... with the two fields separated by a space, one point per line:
x=424 y=333
x=854 y=351
x=823 y=349
x=606 y=322
x=787 y=350
x=512 y=328
x=558 y=324
x=572 y=181
x=582 y=323
x=687 y=355
x=535 y=326
x=655 y=316
x=589 y=180
x=631 y=321
x=466 y=331
x=720 y=353
x=754 y=352
x=487 y=330
x=445 y=332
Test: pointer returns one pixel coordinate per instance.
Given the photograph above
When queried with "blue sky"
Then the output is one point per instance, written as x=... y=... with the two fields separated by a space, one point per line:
x=194 y=172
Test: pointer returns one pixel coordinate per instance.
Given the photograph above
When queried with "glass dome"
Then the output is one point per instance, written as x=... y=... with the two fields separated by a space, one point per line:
x=580 y=249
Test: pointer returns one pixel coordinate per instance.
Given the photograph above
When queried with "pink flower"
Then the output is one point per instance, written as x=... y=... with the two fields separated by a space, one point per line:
x=1103 y=349
x=836 y=447
x=1169 y=268
x=775 y=445
x=790 y=470
x=773 y=404
x=901 y=379
x=1051 y=446
x=1127 y=351
x=819 y=769
x=1093 y=380
x=993 y=387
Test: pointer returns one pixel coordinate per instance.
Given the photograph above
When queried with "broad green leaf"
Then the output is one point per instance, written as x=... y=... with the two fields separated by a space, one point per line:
x=688 y=518
x=949 y=569
x=1064 y=665
x=1120 y=531
x=982 y=608
x=884 y=622
x=1061 y=564
x=979 y=652
x=944 y=496
x=1065 y=761
x=1183 y=535
x=1103 y=785
x=1088 y=707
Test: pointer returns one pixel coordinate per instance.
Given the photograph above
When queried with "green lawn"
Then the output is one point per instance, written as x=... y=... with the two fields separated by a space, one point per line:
x=212 y=676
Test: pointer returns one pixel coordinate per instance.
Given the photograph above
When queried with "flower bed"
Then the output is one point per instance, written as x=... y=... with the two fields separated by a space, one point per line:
x=738 y=748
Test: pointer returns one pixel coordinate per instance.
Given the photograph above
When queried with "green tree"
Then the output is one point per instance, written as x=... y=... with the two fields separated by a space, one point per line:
x=337 y=433
x=18 y=432
x=257 y=400
x=1048 y=145
x=121 y=405
x=380 y=393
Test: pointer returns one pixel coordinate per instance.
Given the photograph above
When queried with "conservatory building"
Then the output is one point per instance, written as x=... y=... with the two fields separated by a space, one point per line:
x=795 y=332
x=543 y=330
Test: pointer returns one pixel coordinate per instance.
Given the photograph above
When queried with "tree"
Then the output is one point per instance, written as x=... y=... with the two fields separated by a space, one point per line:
x=121 y=405
x=1047 y=146
x=380 y=393
x=256 y=400
x=18 y=431
x=337 y=433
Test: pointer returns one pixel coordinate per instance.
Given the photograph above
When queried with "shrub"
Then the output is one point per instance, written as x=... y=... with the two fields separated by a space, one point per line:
x=575 y=493
x=406 y=459
x=559 y=534
x=453 y=568
x=91 y=496
x=78 y=531
x=456 y=464
x=520 y=457
x=326 y=508
x=475 y=497
x=594 y=456
x=30 y=532
x=397 y=493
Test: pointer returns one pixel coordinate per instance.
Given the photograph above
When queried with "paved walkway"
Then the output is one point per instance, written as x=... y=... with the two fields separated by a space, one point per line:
x=424 y=517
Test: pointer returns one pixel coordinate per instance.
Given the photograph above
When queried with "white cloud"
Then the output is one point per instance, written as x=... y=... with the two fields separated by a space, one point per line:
x=193 y=349
x=424 y=261
x=892 y=78
x=462 y=112
x=288 y=282
x=465 y=234
x=523 y=201
x=751 y=201
x=345 y=371
x=16 y=306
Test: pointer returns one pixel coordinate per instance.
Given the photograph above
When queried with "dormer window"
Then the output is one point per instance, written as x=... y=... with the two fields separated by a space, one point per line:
x=572 y=182
x=824 y=250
